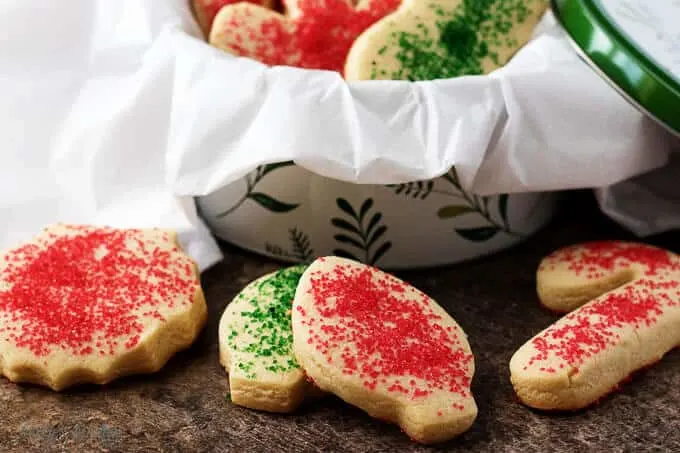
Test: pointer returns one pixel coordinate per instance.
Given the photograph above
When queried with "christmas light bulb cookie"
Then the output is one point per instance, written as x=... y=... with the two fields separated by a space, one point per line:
x=385 y=347
x=206 y=10
x=81 y=304
x=314 y=34
x=256 y=345
x=438 y=39
x=632 y=320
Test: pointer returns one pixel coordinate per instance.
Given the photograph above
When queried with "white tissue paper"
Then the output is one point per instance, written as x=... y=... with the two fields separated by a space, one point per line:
x=117 y=112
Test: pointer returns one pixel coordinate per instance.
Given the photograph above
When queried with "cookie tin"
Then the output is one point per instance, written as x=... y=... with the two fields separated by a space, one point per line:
x=635 y=46
x=291 y=214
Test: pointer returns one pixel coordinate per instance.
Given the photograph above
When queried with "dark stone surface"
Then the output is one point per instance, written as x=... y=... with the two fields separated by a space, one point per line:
x=183 y=408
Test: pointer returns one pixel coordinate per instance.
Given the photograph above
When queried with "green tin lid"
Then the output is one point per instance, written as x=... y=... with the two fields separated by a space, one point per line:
x=633 y=44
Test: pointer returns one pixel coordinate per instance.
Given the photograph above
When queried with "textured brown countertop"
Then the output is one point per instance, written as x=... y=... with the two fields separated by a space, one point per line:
x=183 y=408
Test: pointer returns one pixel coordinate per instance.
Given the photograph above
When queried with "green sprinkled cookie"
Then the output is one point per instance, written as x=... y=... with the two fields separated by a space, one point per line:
x=256 y=345
x=439 y=39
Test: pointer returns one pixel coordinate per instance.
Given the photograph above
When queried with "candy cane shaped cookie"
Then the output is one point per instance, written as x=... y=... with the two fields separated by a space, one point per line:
x=437 y=39
x=313 y=34
x=632 y=320
x=256 y=345
x=572 y=276
x=385 y=347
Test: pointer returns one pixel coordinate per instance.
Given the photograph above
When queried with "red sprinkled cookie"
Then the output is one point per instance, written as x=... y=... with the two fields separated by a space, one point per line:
x=631 y=321
x=385 y=347
x=314 y=34
x=206 y=10
x=80 y=304
x=572 y=276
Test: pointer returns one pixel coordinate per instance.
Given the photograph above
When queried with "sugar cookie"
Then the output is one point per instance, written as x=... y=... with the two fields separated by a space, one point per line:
x=256 y=345
x=81 y=304
x=385 y=347
x=572 y=276
x=206 y=10
x=314 y=34
x=632 y=321
x=438 y=39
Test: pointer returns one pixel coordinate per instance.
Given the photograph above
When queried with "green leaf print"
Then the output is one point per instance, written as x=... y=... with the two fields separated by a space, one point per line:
x=492 y=210
x=477 y=234
x=266 y=201
x=271 y=203
x=473 y=204
x=361 y=231
x=301 y=249
x=451 y=211
x=419 y=189
x=503 y=207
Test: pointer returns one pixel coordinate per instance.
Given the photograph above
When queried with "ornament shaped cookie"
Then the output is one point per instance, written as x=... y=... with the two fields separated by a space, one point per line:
x=314 y=34
x=385 y=347
x=256 y=345
x=80 y=304
x=439 y=39
x=206 y=10
x=632 y=320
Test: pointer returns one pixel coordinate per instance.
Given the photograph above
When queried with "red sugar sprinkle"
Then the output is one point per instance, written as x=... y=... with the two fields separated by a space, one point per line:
x=62 y=297
x=210 y=8
x=318 y=36
x=384 y=337
x=594 y=327
x=594 y=258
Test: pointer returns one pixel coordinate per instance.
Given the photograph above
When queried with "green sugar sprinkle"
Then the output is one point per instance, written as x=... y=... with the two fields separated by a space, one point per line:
x=269 y=324
x=466 y=35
